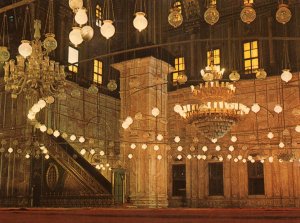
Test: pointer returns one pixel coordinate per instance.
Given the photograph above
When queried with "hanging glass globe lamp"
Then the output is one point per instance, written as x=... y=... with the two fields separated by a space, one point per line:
x=87 y=33
x=75 y=36
x=107 y=29
x=283 y=14
x=248 y=14
x=211 y=15
x=140 y=22
x=112 y=85
x=175 y=18
x=75 y=4
x=261 y=74
x=286 y=75
x=50 y=42
x=81 y=17
x=182 y=78
x=4 y=54
x=25 y=48
x=234 y=76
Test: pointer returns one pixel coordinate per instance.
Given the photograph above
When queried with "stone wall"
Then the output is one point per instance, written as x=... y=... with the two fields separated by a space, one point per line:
x=282 y=186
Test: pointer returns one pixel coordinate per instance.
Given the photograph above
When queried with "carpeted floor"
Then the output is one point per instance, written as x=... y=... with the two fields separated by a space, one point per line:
x=92 y=215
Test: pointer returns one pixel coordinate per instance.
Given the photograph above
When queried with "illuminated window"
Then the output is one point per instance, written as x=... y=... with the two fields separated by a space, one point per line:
x=98 y=15
x=73 y=57
x=215 y=56
x=179 y=67
x=98 y=71
x=251 y=60
x=177 y=4
x=248 y=1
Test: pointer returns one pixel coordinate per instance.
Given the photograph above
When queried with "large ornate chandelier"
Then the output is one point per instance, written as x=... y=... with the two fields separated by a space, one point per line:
x=215 y=114
x=34 y=73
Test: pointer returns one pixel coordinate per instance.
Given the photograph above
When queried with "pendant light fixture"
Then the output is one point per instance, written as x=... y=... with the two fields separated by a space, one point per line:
x=25 y=48
x=211 y=15
x=283 y=14
x=87 y=31
x=75 y=4
x=108 y=29
x=81 y=16
x=248 y=14
x=175 y=17
x=50 y=43
x=140 y=22
x=286 y=75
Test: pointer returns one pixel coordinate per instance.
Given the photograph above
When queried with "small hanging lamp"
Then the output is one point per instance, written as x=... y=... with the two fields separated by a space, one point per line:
x=248 y=14
x=140 y=22
x=283 y=14
x=107 y=29
x=175 y=17
x=25 y=49
x=211 y=15
x=87 y=31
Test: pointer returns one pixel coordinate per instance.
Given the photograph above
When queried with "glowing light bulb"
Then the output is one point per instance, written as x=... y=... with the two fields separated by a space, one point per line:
x=233 y=138
x=297 y=128
x=10 y=150
x=286 y=75
x=56 y=133
x=159 y=137
x=159 y=157
x=177 y=108
x=189 y=156
x=281 y=145
x=255 y=108
x=179 y=148
x=144 y=146
x=177 y=139
x=81 y=139
x=140 y=22
x=130 y=156
x=132 y=146
x=82 y=152
x=179 y=157
x=47 y=156
x=43 y=128
x=92 y=151
x=156 y=147
x=278 y=109
x=204 y=148
x=155 y=112
x=271 y=159
x=231 y=148
x=270 y=135
x=218 y=148
x=72 y=137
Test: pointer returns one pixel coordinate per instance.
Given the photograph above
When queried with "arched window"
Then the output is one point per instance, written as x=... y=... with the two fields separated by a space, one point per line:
x=98 y=14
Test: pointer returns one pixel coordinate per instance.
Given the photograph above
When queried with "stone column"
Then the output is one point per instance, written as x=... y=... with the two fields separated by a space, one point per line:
x=143 y=86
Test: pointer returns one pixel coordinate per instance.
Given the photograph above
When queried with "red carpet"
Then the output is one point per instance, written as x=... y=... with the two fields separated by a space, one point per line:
x=148 y=215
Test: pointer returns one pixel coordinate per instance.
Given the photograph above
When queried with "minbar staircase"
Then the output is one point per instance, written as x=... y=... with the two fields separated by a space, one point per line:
x=98 y=190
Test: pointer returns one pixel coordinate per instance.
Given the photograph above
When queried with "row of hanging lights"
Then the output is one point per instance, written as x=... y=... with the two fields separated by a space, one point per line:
x=248 y=13
x=85 y=32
